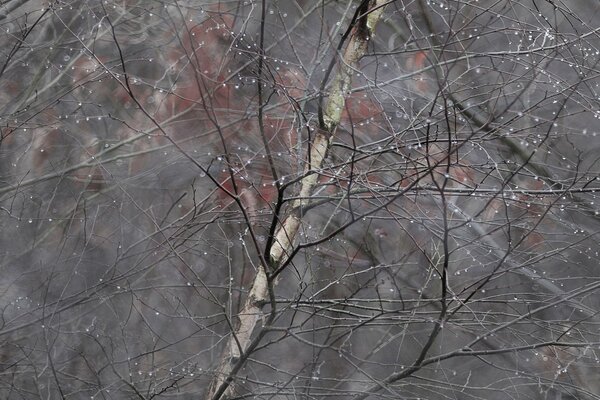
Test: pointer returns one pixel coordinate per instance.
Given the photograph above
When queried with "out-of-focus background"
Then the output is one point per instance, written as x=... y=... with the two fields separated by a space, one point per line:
x=449 y=251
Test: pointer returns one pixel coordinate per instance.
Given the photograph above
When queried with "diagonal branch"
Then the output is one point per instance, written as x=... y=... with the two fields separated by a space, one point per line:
x=240 y=343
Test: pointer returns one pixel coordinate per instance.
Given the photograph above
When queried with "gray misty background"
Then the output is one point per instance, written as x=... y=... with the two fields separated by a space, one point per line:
x=450 y=250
